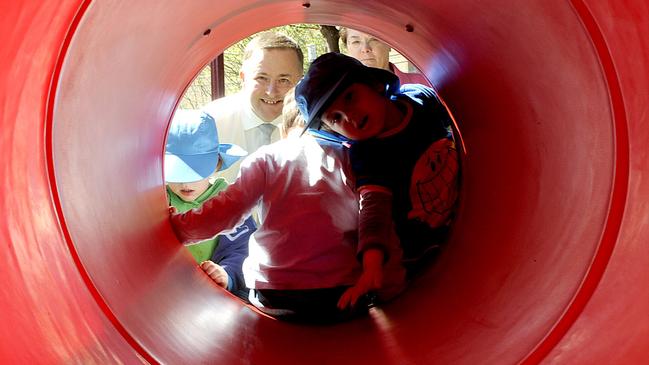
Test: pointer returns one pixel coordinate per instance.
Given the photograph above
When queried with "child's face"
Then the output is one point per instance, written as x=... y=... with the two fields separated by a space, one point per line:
x=190 y=191
x=357 y=113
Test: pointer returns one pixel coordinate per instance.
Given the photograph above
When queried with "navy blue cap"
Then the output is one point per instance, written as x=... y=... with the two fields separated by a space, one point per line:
x=328 y=76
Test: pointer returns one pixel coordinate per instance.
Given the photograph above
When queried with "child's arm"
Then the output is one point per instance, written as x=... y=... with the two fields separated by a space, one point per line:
x=232 y=250
x=226 y=210
x=375 y=218
x=371 y=278
x=206 y=221
x=375 y=228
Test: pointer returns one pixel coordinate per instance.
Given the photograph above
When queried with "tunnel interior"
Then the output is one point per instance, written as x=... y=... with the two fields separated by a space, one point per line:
x=527 y=89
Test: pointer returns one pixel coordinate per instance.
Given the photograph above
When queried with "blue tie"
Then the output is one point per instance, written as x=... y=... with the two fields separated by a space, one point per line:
x=267 y=130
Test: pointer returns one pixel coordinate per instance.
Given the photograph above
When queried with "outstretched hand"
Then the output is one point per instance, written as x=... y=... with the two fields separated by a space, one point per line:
x=370 y=279
x=216 y=272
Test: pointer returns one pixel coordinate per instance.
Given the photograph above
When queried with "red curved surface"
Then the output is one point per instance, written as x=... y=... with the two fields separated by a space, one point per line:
x=548 y=261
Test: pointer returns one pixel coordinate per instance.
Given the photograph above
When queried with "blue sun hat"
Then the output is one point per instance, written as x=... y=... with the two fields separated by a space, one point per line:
x=328 y=76
x=193 y=149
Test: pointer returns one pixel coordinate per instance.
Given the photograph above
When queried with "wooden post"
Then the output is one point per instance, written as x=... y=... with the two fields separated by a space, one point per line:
x=217 y=77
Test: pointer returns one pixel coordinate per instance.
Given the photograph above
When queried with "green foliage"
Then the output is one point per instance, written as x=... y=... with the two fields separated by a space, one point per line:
x=308 y=36
x=199 y=92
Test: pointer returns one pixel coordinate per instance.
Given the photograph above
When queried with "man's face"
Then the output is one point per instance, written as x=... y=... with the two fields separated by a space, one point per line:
x=190 y=191
x=367 y=49
x=267 y=75
x=358 y=113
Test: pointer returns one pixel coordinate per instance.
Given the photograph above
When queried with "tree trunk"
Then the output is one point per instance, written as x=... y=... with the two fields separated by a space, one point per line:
x=331 y=35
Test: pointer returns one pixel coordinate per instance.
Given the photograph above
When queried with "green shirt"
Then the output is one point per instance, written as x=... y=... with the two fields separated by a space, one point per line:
x=203 y=250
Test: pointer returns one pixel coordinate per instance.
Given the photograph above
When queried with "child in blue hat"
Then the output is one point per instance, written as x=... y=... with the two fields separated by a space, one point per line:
x=400 y=145
x=193 y=153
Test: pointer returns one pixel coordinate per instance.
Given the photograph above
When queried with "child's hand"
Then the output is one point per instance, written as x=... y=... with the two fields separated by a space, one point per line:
x=216 y=272
x=371 y=279
x=172 y=210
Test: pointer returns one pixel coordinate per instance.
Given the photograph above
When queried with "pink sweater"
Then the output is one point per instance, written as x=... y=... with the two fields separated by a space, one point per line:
x=308 y=232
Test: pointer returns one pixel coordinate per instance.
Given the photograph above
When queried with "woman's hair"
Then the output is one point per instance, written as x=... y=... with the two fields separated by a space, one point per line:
x=342 y=32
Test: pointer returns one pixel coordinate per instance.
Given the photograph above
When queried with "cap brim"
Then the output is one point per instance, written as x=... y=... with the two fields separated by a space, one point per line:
x=189 y=168
x=230 y=153
x=323 y=102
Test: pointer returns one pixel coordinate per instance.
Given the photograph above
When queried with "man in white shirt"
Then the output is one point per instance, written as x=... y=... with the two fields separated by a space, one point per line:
x=272 y=65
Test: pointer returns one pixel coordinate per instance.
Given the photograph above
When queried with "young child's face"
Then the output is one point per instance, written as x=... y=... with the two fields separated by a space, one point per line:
x=190 y=191
x=357 y=113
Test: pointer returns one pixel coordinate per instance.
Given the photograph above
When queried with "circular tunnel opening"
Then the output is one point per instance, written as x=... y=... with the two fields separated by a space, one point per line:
x=535 y=117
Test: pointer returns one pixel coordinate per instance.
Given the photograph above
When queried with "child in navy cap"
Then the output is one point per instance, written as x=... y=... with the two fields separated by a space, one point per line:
x=401 y=149
x=193 y=153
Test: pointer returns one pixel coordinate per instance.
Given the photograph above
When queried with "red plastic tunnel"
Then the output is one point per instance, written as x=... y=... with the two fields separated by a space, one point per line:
x=548 y=261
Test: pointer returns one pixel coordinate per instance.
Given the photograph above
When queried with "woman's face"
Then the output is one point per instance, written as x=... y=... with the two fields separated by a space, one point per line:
x=370 y=51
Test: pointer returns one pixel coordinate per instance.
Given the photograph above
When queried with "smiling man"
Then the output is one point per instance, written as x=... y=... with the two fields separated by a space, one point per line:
x=272 y=64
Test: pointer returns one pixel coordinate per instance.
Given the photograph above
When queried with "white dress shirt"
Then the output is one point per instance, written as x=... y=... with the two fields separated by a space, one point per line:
x=237 y=123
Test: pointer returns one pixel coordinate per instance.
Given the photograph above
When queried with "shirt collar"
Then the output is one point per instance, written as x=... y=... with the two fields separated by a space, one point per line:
x=251 y=119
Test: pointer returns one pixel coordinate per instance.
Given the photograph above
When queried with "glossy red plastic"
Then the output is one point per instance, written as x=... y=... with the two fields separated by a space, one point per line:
x=547 y=263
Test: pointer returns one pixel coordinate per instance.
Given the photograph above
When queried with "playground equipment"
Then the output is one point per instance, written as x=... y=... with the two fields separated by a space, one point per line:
x=548 y=261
